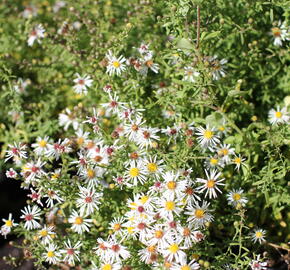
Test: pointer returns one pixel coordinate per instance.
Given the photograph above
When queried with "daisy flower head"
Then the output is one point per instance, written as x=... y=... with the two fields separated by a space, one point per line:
x=168 y=206
x=190 y=74
x=280 y=33
x=133 y=130
x=108 y=265
x=11 y=173
x=199 y=214
x=52 y=195
x=148 y=254
x=213 y=162
x=235 y=198
x=8 y=225
x=136 y=173
x=36 y=35
x=114 y=105
x=117 y=251
x=258 y=264
x=238 y=160
x=149 y=64
x=116 y=225
x=173 y=251
x=258 y=235
x=16 y=151
x=207 y=137
x=278 y=116
x=79 y=223
x=225 y=152
x=52 y=255
x=193 y=265
x=115 y=65
x=82 y=83
x=68 y=118
x=148 y=137
x=33 y=170
x=71 y=252
x=172 y=184
x=217 y=67
x=211 y=183
x=31 y=215
x=46 y=234
x=153 y=166
x=89 y=200
x=41 y=145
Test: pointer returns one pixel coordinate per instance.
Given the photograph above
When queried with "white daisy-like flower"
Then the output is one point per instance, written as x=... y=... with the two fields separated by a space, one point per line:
x=211 y=183
x=258 y=235
x=16 y=152
x=116 y=225
x=207 y=137
x=238 y=160
x=199 y=214
x=36 y=35
x=8 y=225
x=280 y=33
x=68 y=118
x=217 y=67
x=149 y=254
x=278 y=116
x=173 y=251
x=82 y=83
x=107 y=265
x=117 y=251
x=149 y=64
x=41 y=145
x=193 y=265
x=79 y=223
x=136 y=173
x=148 y=137
x=235 y=197
x=71 y=252
x=11 y=173
x=31 y=215
x=167 y=206
x=46 y=234
x=172 y=184
x=52 y=195
x=33 y=170
x=89 y=200
x=225 y=152
x=190 y=74
x=153 y=166
x=115 y=65
x=258 y=264
x=52 y=255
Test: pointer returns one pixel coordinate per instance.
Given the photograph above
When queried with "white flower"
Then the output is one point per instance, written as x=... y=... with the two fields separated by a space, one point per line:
x=167 y=206
x=68 y=118
x=58 y=148
x=217 y=67
x=147 y=138
x=8 y=225
x=172 y=251
x=52 y=195
x=198 y=215
x=29 y=11
x=11 y=173
x=80 y=224
x=117 y=251
x=36 y=34
x=193 y=265
x=211 y=183
x=279 y=116
x=45 y=234
x=82 y=83
x=235 y=197
x=33 y=170
x=115 y=65
x=206 y=137
x=88 y=201
x=258 y=265
x=136 y=173
x=16 y=152
x=30 y=215
x=51 y=255
x=71 y=252
x=258 y=235
x=21 y=85
x=41 y=145
x=238 y=160
x=172 y=184
x=280 y=33
x=190 y=74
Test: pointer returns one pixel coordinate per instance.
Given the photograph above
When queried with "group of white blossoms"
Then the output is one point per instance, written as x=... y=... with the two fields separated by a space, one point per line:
x=167 y=219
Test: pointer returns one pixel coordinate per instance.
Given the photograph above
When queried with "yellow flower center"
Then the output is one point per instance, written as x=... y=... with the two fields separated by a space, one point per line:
x=169 y=206
x=43 y=233
x=213 y=161
x=134 y=172
x=130 y=230
x=259 y=234
x=199 y=213
x=152 y=167
x=276 y=31
x=91 y=173
x=237 y=160
x=224 y=151
x=151 y=249
x=173 y=248
x=144 y=199
x=185 y=267
x=78 y=220
x=42 y=143
x=210 y=183
x=208 y=134
x=116 y=64
x=107 y=267
x=237 y=196
x=158 y=234
x=117 y=227
x=221 y=128
x=278 y=114
x=50 y=254
x=55 y=176
x=8 y=223
x=171 y=185
x=80 y=140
